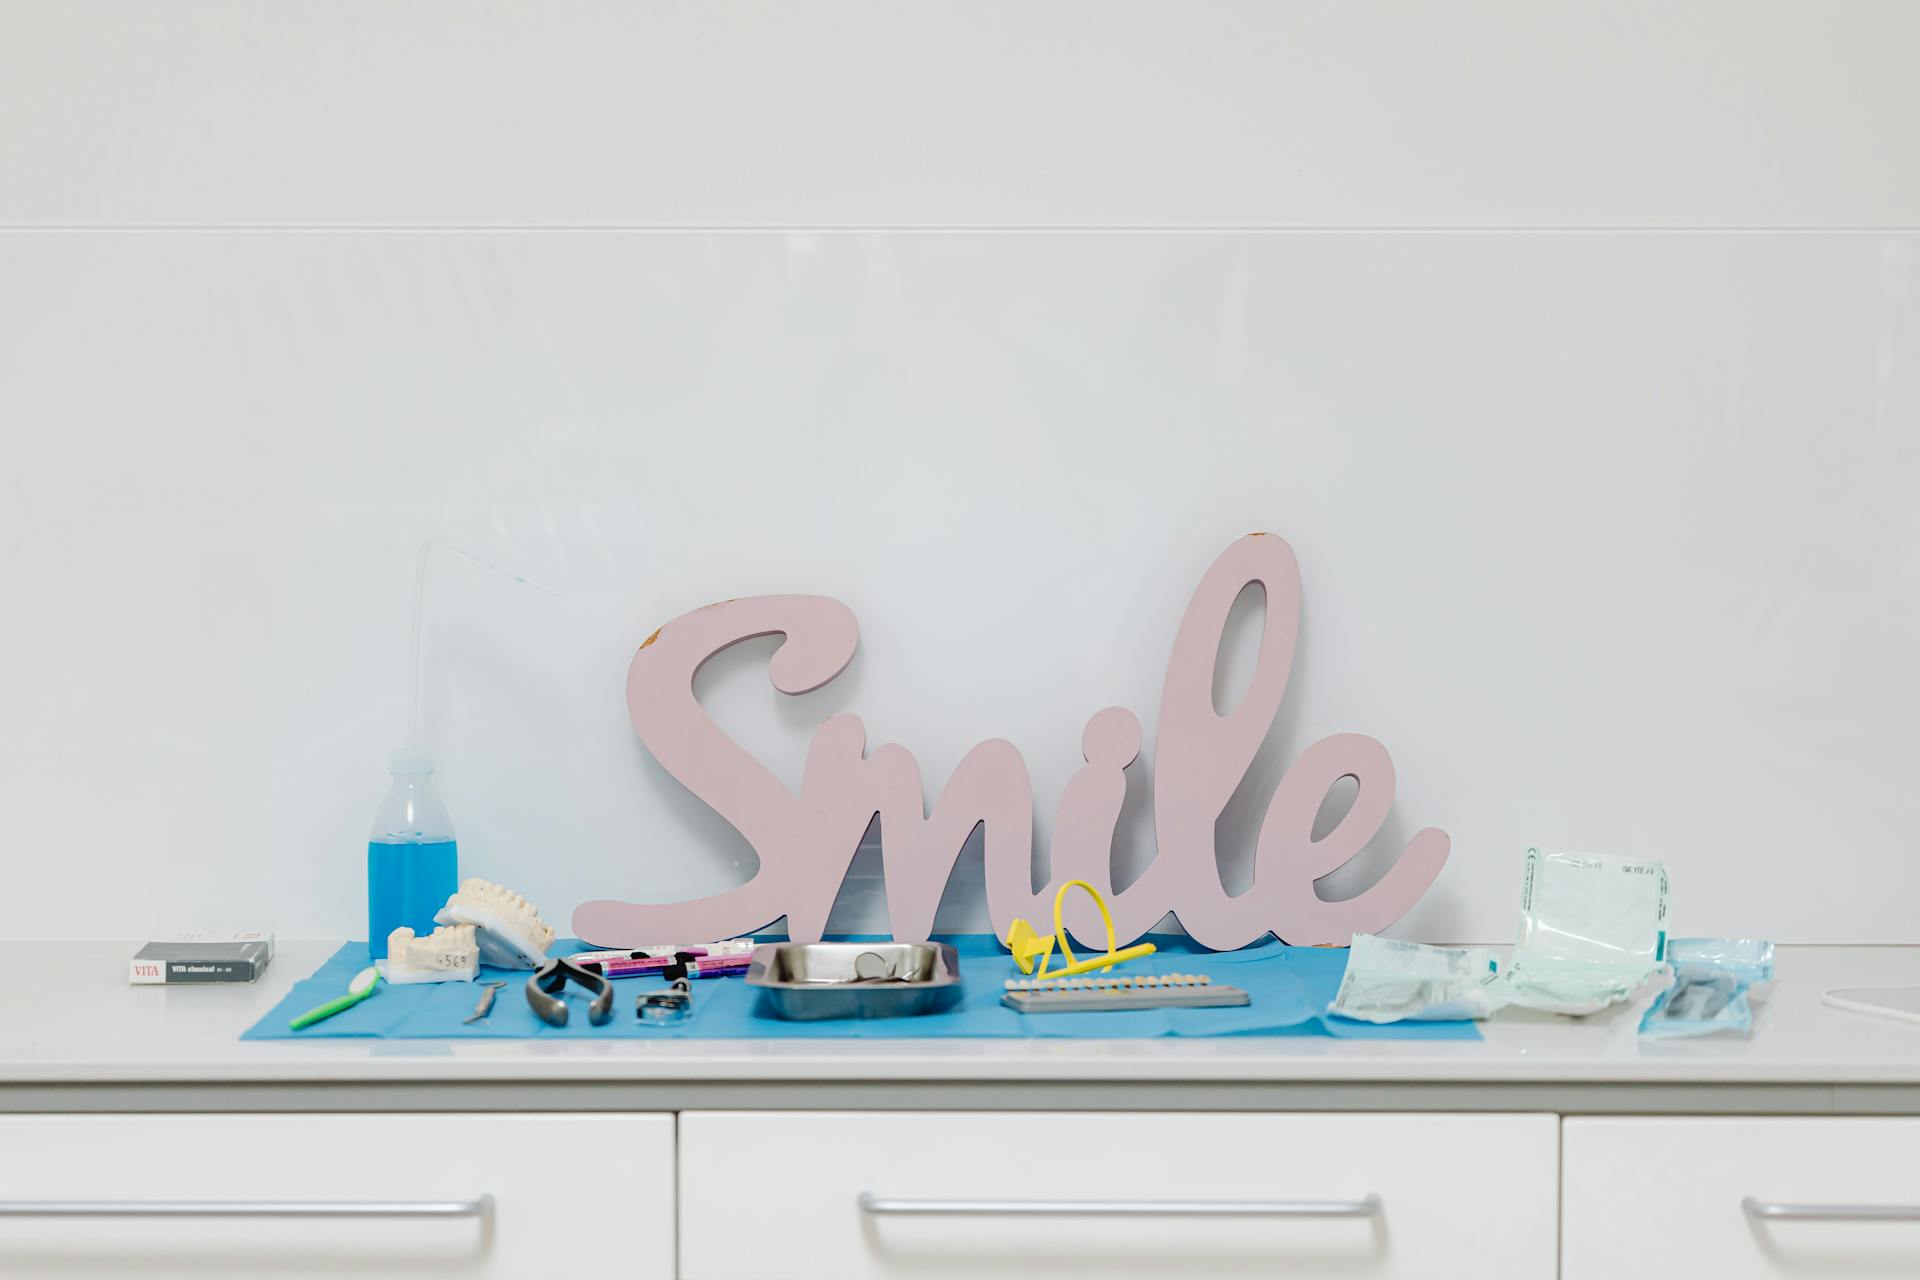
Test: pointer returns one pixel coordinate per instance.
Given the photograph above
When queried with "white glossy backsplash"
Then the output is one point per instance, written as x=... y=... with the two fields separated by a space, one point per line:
x=1611 y=538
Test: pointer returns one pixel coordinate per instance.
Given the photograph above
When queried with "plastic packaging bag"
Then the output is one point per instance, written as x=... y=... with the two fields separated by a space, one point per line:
x=1713 y=981
x=1391 y=981
x=1592 y=931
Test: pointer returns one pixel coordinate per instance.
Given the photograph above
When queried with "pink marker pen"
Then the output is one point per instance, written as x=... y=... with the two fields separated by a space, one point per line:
x=642 y=966
x=719 y=966
x=639 y=962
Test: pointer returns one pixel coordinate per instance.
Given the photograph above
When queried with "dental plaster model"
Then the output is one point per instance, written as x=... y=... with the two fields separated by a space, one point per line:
x=512 y=934
x=448 y=954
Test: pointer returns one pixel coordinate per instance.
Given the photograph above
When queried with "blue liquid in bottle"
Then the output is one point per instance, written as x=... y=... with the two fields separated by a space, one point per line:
x=406 y=884
x=412 y=863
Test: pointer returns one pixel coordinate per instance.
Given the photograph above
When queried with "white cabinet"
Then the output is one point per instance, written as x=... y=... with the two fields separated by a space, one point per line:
x=933 y=1195
x=453 y=1195
x=1741 y=1197
x=954 y=1194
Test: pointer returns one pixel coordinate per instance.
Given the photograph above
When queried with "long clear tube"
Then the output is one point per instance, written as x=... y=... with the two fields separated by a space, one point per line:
x=419 y=619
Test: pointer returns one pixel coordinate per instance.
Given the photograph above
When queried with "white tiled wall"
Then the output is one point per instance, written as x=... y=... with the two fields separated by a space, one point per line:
x=959 y=112
x=1608 y=535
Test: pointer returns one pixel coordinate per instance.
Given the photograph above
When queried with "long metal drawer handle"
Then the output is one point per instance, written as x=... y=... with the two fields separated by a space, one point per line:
x=479 y=1207
x=1365 y=1207
x=1770 y=1211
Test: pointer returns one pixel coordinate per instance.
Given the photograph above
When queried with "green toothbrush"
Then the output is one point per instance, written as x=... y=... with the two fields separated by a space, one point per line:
x=363 y=985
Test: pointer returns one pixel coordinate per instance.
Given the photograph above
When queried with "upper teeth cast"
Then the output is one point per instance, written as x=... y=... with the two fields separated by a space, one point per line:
x=511 y=930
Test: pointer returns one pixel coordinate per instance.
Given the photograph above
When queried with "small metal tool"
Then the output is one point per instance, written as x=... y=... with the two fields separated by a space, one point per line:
x=672 y=1005
x=485 y=1007
x=551 y=978
x=871 y=966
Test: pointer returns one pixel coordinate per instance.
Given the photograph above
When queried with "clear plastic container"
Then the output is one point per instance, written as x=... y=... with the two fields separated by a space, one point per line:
x=412 y=863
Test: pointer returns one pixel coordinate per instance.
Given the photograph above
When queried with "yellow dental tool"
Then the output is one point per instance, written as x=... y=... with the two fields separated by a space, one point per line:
x=1028 y=944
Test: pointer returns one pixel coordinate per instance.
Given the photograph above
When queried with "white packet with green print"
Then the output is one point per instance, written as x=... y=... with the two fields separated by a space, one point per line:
x=1391 y=981
x=1593 y=929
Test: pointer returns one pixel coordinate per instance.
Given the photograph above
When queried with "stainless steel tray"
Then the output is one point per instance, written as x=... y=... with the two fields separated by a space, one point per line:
x=803 y=981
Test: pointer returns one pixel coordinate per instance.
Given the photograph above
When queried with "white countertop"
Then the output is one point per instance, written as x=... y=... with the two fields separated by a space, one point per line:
x=68 y=1015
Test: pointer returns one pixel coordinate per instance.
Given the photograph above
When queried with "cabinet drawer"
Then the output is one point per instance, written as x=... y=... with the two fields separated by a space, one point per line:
x=973 y=1194
x=429 y=1172
x=1642 y=1193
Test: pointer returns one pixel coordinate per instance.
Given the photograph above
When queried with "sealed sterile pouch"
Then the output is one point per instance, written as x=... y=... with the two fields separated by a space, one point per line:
x=1713 y=982
x=1590 y=907
x=1592 y=931
x=1748 y=959
x=1391 y=981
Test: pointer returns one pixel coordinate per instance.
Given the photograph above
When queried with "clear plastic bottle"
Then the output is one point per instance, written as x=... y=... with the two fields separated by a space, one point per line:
x=412 y=865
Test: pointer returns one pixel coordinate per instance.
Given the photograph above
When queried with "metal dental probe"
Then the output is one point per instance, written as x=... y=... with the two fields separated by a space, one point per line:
x=485 y=1007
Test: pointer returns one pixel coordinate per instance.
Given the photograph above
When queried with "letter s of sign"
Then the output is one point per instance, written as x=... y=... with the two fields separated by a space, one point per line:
x=820 y=636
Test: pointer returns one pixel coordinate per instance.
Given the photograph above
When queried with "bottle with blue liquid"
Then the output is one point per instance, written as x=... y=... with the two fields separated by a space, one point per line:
x=412 y=868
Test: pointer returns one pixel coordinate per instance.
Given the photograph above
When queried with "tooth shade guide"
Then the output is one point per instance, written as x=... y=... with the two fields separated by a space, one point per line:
x=1109 y=984
x=1161 y=991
